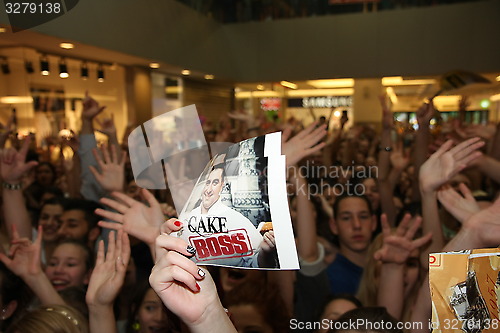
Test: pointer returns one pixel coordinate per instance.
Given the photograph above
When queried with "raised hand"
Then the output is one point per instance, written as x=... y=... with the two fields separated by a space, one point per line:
x=460 y=206
x=134 y=217
x=486 y=225
x=303 y=144
x=425 y=114
x=186 y=289
x=398 y=246
x=13 y=164
x=107 y=126
x=109 y=271
x=399 y=160
x=387 y=116
x=90 y=107
x=25 y=256
x=112 y=175
x=446 y=162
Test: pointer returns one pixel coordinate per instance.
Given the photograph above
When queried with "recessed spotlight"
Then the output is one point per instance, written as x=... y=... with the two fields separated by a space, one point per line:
x=2 y=30
x=63 y=69
x=44 y=66
x=186 y=72
x=260 y=87
x=498 y=78
x=209 y=77
x=66 y=46
x=154 y=65
x=100 y=73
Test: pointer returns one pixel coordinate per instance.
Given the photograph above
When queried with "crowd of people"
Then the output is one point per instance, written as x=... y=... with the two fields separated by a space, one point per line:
x=84 y=249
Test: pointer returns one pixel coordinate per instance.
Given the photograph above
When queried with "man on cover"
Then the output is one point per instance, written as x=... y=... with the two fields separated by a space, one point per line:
x=223 y=236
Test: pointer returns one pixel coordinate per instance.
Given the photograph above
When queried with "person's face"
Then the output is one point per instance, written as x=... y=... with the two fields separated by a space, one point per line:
x=49 y=220
x=73 y=225
x=353 y=224
x=371 y=191
x=66 y=268
x=44 y=175
x=212 y=189
x=335 y=309
x=412 y=270
x=247 y=319
x=152 y=316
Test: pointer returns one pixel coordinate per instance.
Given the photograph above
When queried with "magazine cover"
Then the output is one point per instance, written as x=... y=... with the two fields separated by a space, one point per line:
x=464 y=291
x=237 y=214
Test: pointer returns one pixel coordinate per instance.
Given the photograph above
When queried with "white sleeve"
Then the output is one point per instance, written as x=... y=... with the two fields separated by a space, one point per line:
x=315 y=267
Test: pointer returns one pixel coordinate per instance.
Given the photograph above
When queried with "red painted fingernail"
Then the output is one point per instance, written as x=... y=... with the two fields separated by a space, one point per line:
x=177 y=223
x=198 y=286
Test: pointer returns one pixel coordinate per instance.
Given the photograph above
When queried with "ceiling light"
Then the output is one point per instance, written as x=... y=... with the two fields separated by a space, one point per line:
x=498 y=78
x=334 y=83
x=495 y=98
x=66 y=46
x=154 y=65
x=16 y=99
x=392 y=95
x=100 y=73
x=336 y=114
x=84 y=71
x=320 y=92
x=399 y=81
x=209 y=77
x=5 y=66
x=2 y=30
x=63 y=69
x=288 y=84
x=186 y=72
x=44 y=65
x=28 y=65
x=260 y=87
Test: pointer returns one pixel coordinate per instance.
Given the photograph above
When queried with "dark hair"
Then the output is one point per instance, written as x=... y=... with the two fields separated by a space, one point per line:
x=266 y=300
x=57 y=200
x=372 y=316
x=51 y=167
x=173 y=322
x=88 y=207
x=89 y=260
x=13 y=288
x=344 y=296
x=344 y=196
x=221 y=167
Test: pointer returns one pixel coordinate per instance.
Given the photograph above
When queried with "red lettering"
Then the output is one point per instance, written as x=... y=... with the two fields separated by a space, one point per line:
x=240 y=246
x=201 y=248
x=213 y=246
x=226 y=246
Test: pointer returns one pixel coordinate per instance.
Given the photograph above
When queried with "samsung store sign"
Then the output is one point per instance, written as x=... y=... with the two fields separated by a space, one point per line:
x=320 y=102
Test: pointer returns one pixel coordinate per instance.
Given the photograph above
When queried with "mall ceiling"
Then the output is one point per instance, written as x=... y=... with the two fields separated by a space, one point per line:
x=412 y=42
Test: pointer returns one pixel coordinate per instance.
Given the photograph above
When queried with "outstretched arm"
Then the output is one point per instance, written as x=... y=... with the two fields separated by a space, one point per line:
x=187 y=290
x=441 y=166
x=134 y=217
x=106 y=282
x=13 y=167
x=393 y=254
x=26 y=264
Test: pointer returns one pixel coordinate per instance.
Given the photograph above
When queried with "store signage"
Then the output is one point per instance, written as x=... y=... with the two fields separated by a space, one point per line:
x=320 y=102
x=270 y=104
